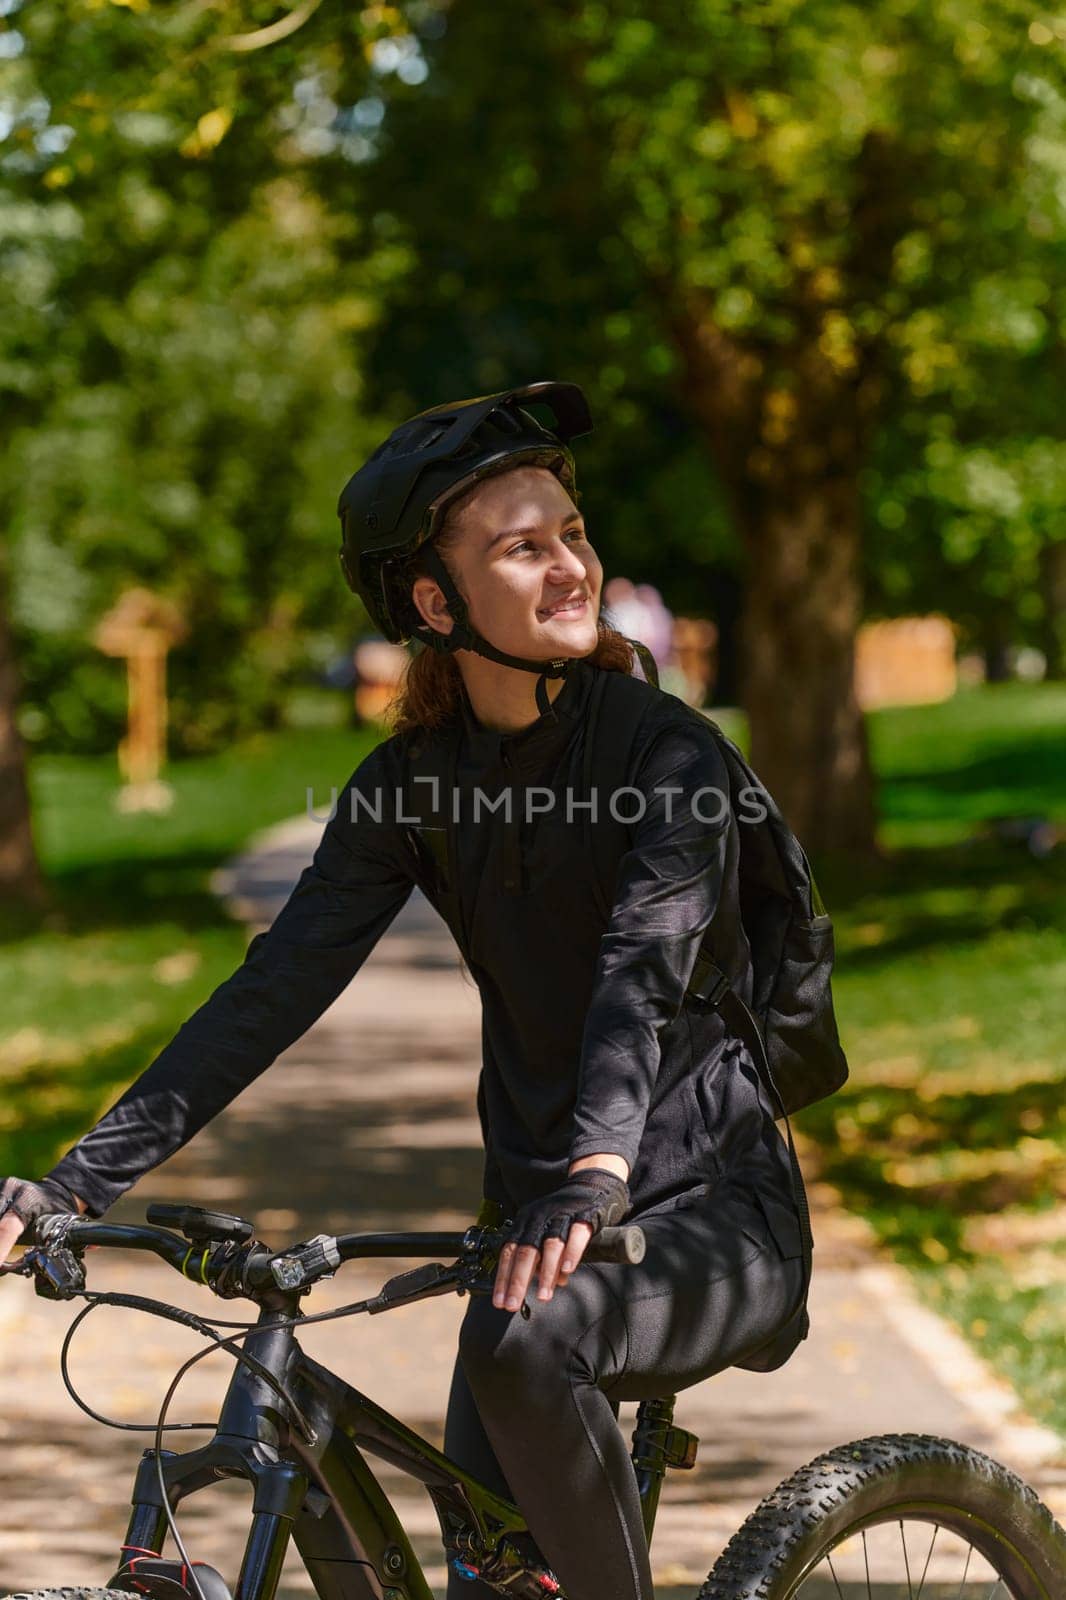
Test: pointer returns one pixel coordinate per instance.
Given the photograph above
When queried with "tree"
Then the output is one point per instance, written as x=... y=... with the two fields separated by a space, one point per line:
x=786 y=215
x=176 y=372
x=971 y=525
x=21 y=884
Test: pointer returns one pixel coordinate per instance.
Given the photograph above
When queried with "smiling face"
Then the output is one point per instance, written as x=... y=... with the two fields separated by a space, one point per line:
x=517 y=549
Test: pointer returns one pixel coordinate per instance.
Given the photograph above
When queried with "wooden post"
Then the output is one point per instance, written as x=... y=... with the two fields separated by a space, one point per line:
x=142 y=626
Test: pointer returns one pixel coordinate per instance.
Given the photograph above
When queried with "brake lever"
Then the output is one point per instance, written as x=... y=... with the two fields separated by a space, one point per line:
x=57 y=1272
x=476 y=1269
x=418 y=1284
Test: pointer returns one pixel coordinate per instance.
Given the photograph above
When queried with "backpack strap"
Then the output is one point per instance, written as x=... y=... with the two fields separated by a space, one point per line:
x=431 y=782
x=614 y=733
x=647 y=661
x=614 y=729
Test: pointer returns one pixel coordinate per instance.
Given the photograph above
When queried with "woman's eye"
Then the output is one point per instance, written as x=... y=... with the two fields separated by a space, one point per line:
x=528 y=544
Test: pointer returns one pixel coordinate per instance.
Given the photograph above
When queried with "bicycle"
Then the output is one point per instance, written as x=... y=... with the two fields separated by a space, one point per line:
x=869 y=1519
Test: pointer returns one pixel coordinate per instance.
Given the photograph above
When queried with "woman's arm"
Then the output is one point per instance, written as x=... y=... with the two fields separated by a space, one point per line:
x=668 y=890
x=357 y=881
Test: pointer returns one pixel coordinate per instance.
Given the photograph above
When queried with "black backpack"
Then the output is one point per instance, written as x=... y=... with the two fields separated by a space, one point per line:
x=791 y=1032
x=790 y=1028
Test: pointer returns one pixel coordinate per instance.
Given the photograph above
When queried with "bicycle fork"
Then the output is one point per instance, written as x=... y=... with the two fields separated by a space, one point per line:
x=280 y=1491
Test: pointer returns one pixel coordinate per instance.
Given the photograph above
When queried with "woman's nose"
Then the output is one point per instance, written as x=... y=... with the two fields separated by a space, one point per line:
x=567 y=564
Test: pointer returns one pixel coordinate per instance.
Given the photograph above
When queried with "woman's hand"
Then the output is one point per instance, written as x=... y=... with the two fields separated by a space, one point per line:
x=553 y=1265
x=554 y=1259
x=22 y=1202
x=10 y=1229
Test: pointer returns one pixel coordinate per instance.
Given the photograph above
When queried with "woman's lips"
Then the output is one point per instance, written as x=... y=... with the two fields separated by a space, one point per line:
x=567 y=608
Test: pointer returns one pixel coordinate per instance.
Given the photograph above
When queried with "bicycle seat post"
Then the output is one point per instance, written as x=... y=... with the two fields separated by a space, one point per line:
x=657 y=1444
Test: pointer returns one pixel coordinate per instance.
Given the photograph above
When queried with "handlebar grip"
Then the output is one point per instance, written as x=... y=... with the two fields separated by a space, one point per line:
x=626 y=1244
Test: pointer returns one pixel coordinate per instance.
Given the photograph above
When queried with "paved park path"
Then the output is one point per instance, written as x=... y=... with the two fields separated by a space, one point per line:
x=369 y=1122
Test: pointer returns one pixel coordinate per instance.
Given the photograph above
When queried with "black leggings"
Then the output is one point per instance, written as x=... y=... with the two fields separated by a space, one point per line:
x=533 y=1409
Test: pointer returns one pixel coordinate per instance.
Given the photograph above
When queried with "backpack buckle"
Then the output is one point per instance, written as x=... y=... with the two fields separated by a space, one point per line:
x=708 y=984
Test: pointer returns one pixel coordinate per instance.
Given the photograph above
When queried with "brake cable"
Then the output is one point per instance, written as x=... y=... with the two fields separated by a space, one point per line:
x=230 y=1345
x=155 y=1308
x=207 y=1328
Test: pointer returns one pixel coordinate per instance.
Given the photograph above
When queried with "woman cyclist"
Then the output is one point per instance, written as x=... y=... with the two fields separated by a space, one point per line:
x=602 y=1095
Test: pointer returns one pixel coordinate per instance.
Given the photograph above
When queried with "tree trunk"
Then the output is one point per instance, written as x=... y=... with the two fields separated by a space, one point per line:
x=787 y=441
x=997 y=631
x=725 y=586
x=21 y=884
x=802 y=608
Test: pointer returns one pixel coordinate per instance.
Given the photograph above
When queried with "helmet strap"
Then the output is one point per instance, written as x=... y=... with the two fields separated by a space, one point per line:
x=464 y=637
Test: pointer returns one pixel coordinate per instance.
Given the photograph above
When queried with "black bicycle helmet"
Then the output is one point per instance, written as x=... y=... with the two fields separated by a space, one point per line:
x=396 y=502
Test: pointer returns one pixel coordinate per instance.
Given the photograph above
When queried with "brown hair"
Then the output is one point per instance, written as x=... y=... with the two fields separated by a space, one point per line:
x=429 y=693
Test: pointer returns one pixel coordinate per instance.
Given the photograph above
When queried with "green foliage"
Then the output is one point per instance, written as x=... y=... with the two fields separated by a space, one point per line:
x=207 y=230
x=856 y=210
x=177 y=372
x=517 y=271
x=965 y=508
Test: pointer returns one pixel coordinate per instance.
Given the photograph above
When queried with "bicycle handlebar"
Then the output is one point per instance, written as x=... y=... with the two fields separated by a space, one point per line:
x=234 y=1263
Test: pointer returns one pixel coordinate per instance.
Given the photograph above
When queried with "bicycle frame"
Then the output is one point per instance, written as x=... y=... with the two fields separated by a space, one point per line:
x=325 y=1496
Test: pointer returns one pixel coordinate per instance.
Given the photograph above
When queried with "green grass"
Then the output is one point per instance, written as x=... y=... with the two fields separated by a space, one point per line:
x=951 y=1136
x=135 y=940
x=946 y=770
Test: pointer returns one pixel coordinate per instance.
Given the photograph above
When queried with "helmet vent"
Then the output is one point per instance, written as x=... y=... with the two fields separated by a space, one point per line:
x=504 y=420
x=411 y=440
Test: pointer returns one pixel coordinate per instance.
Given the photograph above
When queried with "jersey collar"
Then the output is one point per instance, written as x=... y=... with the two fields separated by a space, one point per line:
x=527 y=747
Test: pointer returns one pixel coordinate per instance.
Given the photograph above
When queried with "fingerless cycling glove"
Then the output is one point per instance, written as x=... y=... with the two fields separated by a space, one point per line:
x=29 y=1201
x=592 y=1195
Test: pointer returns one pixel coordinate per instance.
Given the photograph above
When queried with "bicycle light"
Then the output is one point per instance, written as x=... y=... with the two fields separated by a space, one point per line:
x=315 y=1259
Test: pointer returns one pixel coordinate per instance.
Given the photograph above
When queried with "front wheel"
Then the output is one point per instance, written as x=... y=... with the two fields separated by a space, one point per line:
x=903 y=1514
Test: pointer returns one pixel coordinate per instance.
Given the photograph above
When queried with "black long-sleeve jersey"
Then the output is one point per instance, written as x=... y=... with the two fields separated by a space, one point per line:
x=587 y=1044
